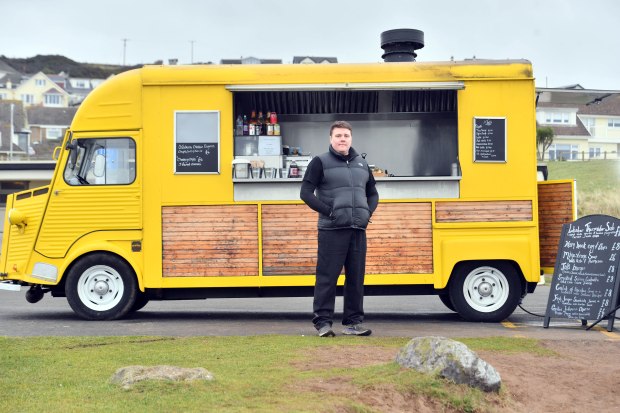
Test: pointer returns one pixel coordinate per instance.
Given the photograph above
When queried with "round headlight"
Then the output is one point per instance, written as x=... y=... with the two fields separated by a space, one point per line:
x=17 y=217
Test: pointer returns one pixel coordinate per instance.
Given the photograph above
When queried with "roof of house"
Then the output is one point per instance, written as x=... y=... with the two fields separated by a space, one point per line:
x=4 y=67
x=599 y=103
x=245 y=59
x=608 y=105
x=315 y=59
x=40 y=115
x=14 y=78
x=577 y=130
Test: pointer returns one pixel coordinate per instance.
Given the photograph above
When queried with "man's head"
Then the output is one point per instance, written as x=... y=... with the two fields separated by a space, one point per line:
x=341 y=136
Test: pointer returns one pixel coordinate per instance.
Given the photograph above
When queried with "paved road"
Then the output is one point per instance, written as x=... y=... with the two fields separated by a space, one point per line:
x=402 y=316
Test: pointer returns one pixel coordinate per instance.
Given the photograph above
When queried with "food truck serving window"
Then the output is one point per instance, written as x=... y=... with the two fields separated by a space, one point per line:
x=406 y=132
x=101 y=162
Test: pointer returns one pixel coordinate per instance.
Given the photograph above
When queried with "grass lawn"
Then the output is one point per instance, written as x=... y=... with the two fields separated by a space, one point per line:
x=252 y=374
x=597 y=185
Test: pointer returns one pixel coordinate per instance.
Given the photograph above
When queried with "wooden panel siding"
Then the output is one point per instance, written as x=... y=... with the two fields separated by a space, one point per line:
x=289 y=239
x=207 y=241
x=483 y=211
x=399 y=239
x=555 y=208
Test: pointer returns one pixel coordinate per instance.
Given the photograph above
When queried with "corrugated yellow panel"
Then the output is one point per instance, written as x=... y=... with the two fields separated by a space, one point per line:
x=77 y=211
x=21 y=241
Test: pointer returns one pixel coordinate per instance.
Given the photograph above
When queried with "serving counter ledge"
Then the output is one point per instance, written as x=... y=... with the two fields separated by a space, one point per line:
x=393 y=187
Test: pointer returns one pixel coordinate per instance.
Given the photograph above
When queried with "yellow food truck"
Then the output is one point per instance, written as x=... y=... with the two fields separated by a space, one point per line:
x=161 y=192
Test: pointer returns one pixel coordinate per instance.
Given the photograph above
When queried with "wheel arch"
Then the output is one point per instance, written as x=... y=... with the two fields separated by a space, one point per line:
x=76 y=254
x=486 y=290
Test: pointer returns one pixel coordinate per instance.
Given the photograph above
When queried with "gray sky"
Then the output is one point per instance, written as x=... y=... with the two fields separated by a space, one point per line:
x=567 y=41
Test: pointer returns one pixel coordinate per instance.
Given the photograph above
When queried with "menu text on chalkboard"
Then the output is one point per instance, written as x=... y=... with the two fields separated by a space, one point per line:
x=197 y=142
x=585 y=279
x=489 y=139
x=197 y=157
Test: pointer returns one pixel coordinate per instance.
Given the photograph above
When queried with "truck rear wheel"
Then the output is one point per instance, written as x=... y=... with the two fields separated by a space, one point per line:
x=445 y=299
x=101 y=286
x=485 y=291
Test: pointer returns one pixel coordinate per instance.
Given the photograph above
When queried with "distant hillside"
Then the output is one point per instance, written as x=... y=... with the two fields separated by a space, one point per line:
x=54 y=64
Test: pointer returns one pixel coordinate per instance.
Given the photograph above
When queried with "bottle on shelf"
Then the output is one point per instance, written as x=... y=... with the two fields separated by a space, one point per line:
x=239 y=125
x=293 y=171
x=260 y=124
x=246 y=126
x=274 y=121
x=268 y=126
x=252 y=123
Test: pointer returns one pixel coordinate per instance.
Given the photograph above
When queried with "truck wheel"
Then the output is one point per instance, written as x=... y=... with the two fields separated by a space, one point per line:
x=486 y=293
x=141 y=301
x=445 y=299
x=101 y=287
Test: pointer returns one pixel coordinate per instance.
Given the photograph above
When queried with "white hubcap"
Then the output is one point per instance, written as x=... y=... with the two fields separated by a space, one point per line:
x=486 y=289
x=100 y=288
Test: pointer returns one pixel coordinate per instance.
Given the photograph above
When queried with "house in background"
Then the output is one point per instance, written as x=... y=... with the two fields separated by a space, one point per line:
x=8 y=78
x=40 y=90
x=250 y=61
x=28 y=172
x=11 y=123
x=313 y=60
x=586 y=123
x=78 y=88
x=47 y=128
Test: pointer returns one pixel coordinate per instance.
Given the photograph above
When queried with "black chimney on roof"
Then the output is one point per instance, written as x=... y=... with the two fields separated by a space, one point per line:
x=400 y=44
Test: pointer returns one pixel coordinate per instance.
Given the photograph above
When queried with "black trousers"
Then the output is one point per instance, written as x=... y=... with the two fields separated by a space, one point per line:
x=338 y=248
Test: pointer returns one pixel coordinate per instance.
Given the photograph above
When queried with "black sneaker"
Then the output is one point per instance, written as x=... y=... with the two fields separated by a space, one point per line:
x=356 y=330
x=326 y=331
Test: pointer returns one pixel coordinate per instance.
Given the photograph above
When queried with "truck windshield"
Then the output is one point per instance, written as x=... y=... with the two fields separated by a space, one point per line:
x=101 y=162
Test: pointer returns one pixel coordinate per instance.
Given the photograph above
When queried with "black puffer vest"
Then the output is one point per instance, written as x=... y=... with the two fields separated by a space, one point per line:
x=344 y=189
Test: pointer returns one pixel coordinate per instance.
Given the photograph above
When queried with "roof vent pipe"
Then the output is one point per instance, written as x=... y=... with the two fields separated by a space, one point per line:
x=400 y=45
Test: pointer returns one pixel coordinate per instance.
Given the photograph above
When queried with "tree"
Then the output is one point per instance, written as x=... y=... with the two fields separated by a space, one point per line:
x=544 y=139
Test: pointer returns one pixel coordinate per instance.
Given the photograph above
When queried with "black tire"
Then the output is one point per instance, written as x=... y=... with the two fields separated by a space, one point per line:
x=445 y=299
x=485 y=291
x=101 y=286
x=141 y=301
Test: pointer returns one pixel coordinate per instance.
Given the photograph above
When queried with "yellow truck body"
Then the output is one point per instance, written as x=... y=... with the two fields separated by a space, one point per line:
x=151 y=230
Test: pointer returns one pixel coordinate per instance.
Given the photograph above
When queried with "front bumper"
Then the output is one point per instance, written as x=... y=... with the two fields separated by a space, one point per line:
x=9 y=286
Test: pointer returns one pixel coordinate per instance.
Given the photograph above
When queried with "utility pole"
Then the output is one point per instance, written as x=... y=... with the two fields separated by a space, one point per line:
x=191 y=42
x=124 y=49
x=11 y=133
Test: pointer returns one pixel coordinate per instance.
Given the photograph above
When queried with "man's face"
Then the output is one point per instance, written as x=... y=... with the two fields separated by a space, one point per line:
x=341 y=139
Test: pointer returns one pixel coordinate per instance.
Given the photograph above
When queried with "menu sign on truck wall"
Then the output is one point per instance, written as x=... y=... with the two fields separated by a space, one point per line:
x=197 y=142
x=196 y=157
x=489 y=139
x=585 y=279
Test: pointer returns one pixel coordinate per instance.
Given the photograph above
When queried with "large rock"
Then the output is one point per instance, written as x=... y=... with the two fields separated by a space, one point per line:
x=127 y=376
x=450 y=359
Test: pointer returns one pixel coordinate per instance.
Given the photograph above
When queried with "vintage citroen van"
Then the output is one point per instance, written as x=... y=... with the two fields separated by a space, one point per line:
x=159 y=192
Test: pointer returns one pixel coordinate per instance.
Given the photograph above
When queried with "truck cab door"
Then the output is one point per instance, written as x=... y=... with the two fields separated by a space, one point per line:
x=96 y=189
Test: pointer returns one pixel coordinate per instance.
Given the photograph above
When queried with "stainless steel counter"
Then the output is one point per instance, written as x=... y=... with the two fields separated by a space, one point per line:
x=398 y=187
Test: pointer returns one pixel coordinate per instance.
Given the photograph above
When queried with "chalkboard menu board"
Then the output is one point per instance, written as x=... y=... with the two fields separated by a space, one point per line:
x=489 y=139
x=197 y=157
x=197 y=142
x=585 y=282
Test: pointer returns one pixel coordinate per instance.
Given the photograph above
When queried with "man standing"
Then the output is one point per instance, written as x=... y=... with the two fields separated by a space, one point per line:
x=345 y=199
